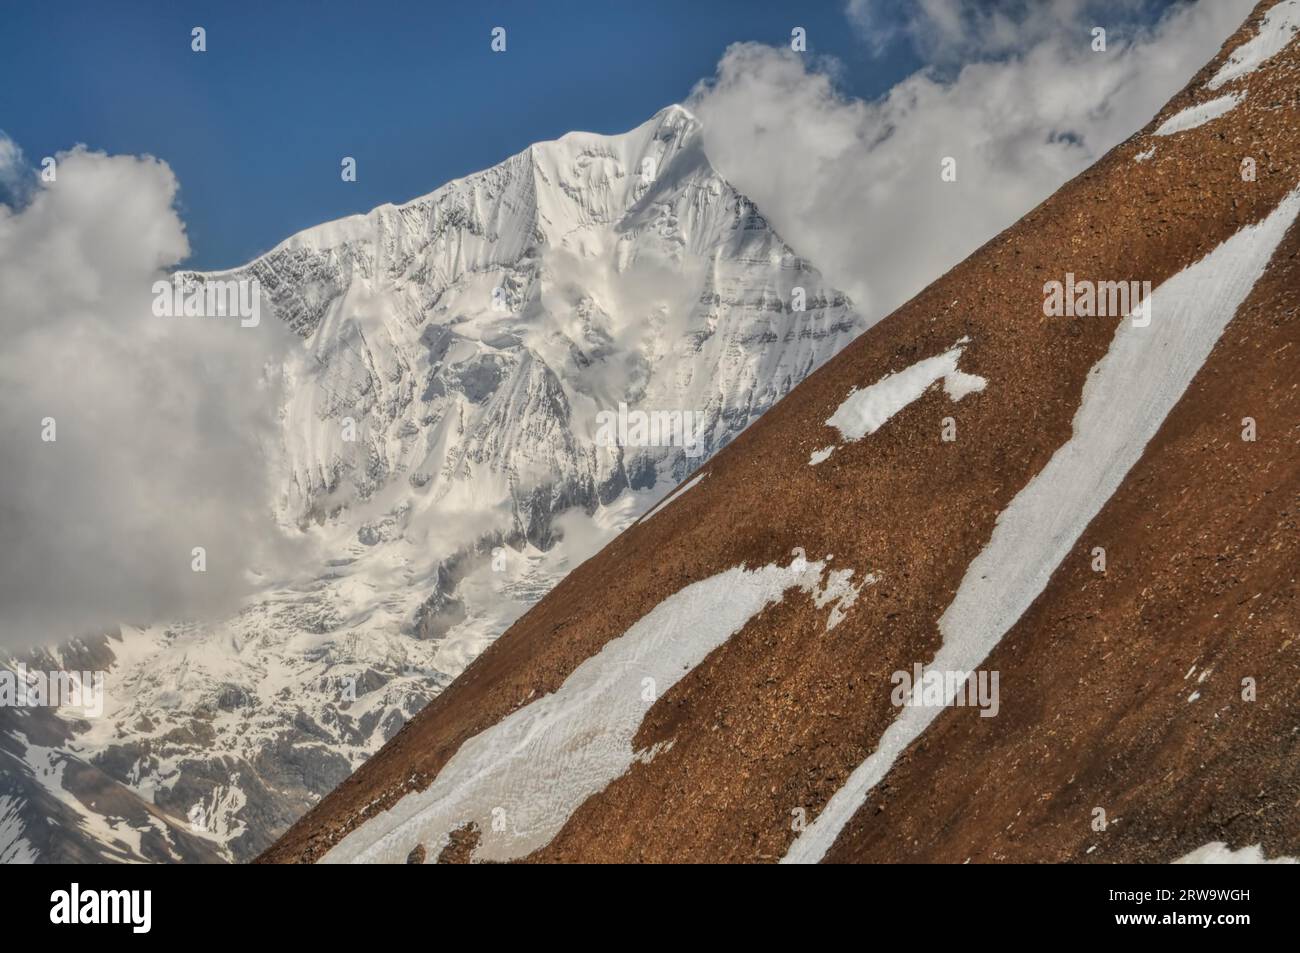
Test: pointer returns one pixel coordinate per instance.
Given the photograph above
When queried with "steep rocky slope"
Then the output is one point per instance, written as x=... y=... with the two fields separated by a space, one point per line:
x=443 y=460
x=1099 y=509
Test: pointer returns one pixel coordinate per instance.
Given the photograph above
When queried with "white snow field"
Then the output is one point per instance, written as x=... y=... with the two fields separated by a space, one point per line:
x=1126 y=397
x=1279 y=28
x=1200 y=114
x=521 y=779
x=865 y=411
x=1217 y=852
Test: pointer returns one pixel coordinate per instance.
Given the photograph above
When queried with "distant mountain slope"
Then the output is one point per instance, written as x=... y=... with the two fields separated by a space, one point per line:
x=1100 y=510
x=442 y=453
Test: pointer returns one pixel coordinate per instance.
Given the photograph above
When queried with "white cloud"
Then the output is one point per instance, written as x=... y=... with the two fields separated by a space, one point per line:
x=160 y=422
x=948 y=31
x=13 y=168
x=873 y=24
x=855 y=185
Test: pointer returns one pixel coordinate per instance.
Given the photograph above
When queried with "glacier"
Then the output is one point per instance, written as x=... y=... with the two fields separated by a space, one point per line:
x=439 y=454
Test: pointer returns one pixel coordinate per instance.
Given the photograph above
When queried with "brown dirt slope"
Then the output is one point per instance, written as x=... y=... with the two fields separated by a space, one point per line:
x=1201 y=542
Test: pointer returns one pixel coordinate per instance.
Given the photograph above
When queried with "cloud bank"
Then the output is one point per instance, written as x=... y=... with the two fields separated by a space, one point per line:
x=159 y=424
x=1017 y=97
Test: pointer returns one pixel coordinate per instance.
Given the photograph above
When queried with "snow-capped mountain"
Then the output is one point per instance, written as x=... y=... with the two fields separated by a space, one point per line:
x=1002 y=581
x=443 y=456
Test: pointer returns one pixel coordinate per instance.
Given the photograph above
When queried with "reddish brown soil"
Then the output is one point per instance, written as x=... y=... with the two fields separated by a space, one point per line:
x=460 y=845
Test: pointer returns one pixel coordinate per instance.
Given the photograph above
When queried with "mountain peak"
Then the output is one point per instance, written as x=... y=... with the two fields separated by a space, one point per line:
x=442 y=444
x=617 y=166
x=799 y=654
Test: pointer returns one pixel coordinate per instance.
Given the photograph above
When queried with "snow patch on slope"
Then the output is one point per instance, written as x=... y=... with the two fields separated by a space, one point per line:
x=1126 y=398
x=536 y=766
x=1217 y=852
x=1200 y=114
x=1279 y=28
x=865 y=411
x=14 y=847
x=840 y=590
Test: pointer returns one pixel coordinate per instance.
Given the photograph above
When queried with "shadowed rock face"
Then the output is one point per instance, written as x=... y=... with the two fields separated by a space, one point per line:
x=47 y=793
x=1159 y=688
x=439 y=455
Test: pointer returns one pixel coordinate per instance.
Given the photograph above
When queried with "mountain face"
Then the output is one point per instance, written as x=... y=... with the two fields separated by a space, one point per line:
x=1011 y=578
x=451 y=448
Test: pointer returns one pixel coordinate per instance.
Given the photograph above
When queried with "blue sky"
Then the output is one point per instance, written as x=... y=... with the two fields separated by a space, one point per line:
x=255 y=127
